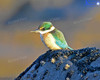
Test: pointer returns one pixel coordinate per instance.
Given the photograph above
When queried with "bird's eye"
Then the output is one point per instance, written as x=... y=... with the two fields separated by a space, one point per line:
x=43 y=28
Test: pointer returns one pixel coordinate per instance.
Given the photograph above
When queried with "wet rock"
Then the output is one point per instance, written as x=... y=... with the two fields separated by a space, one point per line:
x=82 y=64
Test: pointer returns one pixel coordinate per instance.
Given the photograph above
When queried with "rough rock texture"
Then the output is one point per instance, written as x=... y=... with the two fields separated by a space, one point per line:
x=83 y=64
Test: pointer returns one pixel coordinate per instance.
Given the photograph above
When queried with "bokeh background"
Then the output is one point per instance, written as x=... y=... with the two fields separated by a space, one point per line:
x=80 y=23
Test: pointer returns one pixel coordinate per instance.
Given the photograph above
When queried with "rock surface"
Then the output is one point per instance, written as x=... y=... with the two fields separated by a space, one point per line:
x=83 y=64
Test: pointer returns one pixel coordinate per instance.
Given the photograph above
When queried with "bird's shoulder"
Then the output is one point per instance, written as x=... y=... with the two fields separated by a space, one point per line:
x=60 y=40
x=58 y=34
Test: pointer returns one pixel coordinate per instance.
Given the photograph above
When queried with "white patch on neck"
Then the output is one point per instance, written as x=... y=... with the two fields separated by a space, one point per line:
x=51 y=29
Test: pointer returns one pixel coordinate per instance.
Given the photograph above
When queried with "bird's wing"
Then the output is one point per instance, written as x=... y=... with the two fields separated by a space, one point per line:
x=60 y=40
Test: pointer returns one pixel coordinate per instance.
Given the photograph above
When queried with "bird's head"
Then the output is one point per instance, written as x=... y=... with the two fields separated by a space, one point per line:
x=45 y=27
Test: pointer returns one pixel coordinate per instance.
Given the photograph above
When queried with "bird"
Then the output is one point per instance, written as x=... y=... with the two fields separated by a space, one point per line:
x=52 y=38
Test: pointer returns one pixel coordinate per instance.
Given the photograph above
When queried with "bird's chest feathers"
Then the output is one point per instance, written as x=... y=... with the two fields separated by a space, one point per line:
x=49 y=41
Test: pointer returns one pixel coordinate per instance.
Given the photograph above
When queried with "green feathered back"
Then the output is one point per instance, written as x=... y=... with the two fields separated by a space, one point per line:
x=60 y=40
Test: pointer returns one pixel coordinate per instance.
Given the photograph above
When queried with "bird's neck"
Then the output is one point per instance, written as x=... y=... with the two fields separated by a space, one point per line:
x=46 y=34
x=49 y=32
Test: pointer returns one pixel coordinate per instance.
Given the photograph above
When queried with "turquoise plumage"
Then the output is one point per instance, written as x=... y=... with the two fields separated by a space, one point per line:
x=60 y=40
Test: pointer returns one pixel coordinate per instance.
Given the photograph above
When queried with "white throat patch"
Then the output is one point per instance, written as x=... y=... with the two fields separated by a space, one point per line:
x=51 y=29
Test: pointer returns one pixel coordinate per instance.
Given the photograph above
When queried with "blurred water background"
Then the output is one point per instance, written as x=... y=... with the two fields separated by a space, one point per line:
x=79 y=22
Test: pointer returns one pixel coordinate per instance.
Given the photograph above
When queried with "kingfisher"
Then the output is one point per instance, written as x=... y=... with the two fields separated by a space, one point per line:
x=52 y=37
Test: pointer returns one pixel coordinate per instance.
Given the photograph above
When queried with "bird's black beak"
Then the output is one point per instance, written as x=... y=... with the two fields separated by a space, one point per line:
x=36 y=31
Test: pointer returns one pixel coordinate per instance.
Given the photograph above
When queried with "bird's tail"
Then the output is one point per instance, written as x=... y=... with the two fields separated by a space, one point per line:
x=70 y=48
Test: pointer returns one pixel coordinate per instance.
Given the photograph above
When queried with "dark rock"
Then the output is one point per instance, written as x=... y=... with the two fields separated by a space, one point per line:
x=80 y=64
